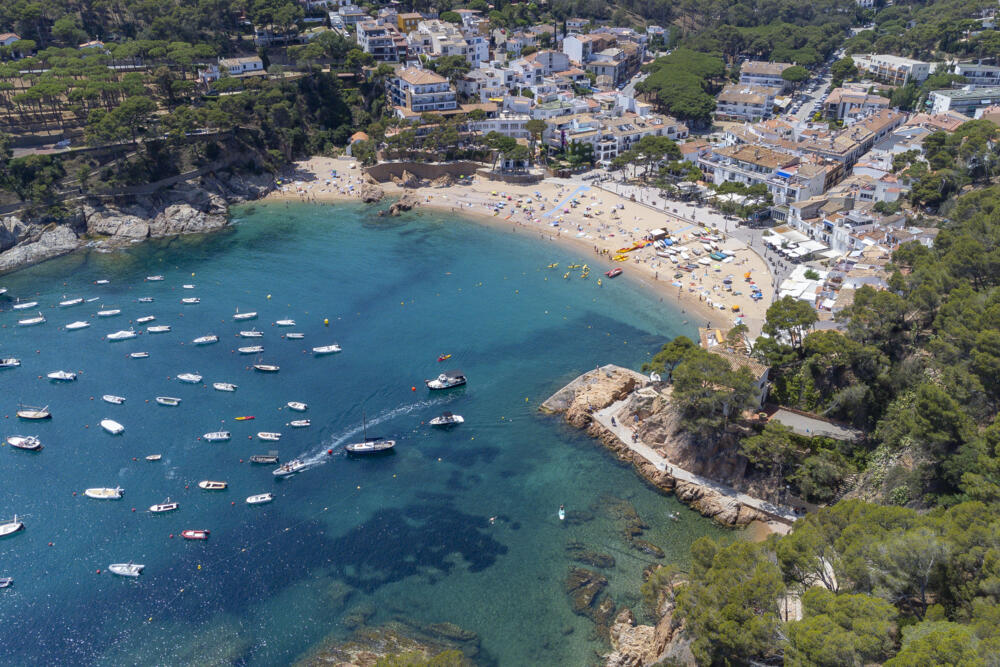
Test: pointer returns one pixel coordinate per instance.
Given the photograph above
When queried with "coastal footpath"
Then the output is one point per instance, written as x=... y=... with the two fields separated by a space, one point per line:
x=607 y=403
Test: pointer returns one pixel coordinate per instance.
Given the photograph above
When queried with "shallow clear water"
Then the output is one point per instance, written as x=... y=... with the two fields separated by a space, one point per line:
x=403 y=536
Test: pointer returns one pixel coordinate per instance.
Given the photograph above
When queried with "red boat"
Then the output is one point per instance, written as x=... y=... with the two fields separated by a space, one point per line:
x=195 y=534
x=444 y=357
x=613 y=273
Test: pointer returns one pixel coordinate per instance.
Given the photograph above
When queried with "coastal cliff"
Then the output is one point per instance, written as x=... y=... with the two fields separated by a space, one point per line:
x=190 y=207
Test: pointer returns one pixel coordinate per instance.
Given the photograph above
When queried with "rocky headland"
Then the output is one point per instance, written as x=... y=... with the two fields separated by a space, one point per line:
x=190 y=207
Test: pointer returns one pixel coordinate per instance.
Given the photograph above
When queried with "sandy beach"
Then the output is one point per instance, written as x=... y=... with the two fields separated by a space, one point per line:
x=598 y=225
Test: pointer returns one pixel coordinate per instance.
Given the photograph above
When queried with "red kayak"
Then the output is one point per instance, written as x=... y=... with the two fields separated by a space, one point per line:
x=613 y=273
x=195 y=534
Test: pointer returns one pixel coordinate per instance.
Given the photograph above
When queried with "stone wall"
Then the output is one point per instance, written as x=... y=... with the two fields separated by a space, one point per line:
x=430 y=171
x=518 y=179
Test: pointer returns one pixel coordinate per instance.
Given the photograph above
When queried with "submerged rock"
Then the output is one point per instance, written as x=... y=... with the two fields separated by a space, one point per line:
x=647 y=548
x=578 y=552
x=408 y=201
x=370 y=646
x=583 y=587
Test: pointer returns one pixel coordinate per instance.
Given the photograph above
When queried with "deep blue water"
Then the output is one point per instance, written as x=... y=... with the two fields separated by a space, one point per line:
x=402 y=536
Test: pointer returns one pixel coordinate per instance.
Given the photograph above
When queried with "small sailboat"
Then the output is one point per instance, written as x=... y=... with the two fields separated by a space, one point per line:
x=217 y=436
x=192 y=534
x=112 y=427
x=285 y=323
x=252 y=333
x=28 y=412
x=10 y=362
x=29 y=443
x=206 y=340
x=190 y=301
x=290 y=468
x=71 y=302
x=238 y=316
x=269 y=435
x=260 y=499
x=159 y=328
x=31 y=321
x=168 y=401
x=126 y=569
x=224 y=386
x=326 y=349
x=295 y=336
x=61 y=376
x=209 y=485
x=80 y=324
x=10 y=527
x=250 y=349
x=299 y=423
x=124 y=334
x=104 y=493
x=373 y=445
x=110 y=312
x=166 y=506
x=114 y=400
x=298 y=407
x=154 y=457
x=190 y=378
x=139 y=355
x=447 y=419
x=24 y=306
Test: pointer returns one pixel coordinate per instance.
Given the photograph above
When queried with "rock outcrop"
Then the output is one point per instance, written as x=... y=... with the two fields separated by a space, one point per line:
x=642 y=645
x=585 y=588
x=594 y=390
x=12 y=232
x=443 y=181
x=52 y=242
x=408 y=180
x=370 y=193
x=408 y=201
x=370 y=646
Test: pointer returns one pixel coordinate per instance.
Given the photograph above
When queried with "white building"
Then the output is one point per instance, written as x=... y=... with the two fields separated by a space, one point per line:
x=746 y=102
x=892 y=69
x=979 y=75
x=965 y=101
x=420 y=90
x=760 y=73
x=382 y=41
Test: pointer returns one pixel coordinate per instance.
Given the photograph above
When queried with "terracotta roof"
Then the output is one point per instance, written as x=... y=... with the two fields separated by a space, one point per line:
x=738 y=361
x=359 y=136
x=417 y=76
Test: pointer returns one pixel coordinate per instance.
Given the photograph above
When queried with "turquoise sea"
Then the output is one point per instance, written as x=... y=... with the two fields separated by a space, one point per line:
x=406 y=536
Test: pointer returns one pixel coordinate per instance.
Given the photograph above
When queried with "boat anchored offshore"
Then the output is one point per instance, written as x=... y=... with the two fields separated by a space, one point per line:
x=266 y=368
x=28 y=412
x=73 y=326
x=299 y=423
x=154 y=279
x=264 y=458
x=190 y=301
x=285 y=323
x=159 y=328
x=190 y=378
x=139 y=355
x=290 y=468
x=326 y=349
x=145 y=319
x=373 y=445
x=6 y=582
x=110 y=312
x=209 y=485
x=10 y=362
x=244 y=316
x=29 y=443
x=260 y=499
x=295 y=336
x=126 y=569
x=114 y=400
x=169 y=401
x=206 y=340
x=252 y=349
x=31 y=321
x=11 y=527
x=298 y=407
x=124 y=334
x=224 y=386
x=112 y=427
x=195 y=534
x=154 y=457
x=71 y=302
x=166 y=506
x=104 y=493
x=446 y=380
x=62 y=376
x=447 y=419
x=145 y=299
x=217 y=436
x=25 y=306
x=253 y=333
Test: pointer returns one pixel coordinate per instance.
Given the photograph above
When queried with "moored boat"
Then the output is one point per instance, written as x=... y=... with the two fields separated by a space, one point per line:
x=299 y=423
x=114 y=400
x=11 y=527
x=210 y=485
x=192 y=534
x=10 y=362
x=251 y=349
x=238 y=316
x=298 y=407
x=191 y=300
x=102 y=281
x=166 y=506
x=295 y=336
x=252 y=333
x=31 y=321
x=139 y=355
x=154 y=457
x=266 y=368
x=190 y=378
x=24 y=306
x=224 y=386
x=206 y=340
x=159 y=328
x=269 y=435
x=154 y=279
x=61 y=376
x=447 y=419
x=29 y=443
x=71 y=302
x=80 y=324
x=28 y=412
x=264 y=458
x=6 y=582
x=104 y=493
x=145 y=319
x=290 y=468
x=217 y=436
x=124 y=334
x=126 y=569
x=145 y=299
x=110 y=312
x=187 y=286
x=326 y=349
x=285 y=323
x=112 y=427
x=169 y=401
x=446 y=380
x=260 y=499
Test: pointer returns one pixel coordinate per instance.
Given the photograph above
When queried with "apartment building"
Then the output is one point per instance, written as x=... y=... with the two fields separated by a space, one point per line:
x=439 y=38
x=786 y=176
x=843 y=102
x=964 y=101
x=892 y=69
x=741 y=101
x=382 y=41
x=416 y=90
x=978 y=75
x=407 y=23
x=760 y=73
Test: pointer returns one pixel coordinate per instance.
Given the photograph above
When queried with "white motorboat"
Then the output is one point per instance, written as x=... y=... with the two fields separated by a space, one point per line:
x=6 y=582
x=111 y=398
x=28 y=412
x=139 y=355
x=191 y=300
x=447 y=419
x=298 y=407
x=62 y=376
x=299 y=423
x=244 y=316
x=154 y=279
x=446 y=380
x=217 y=436
x=11 y=527
x=3 y=290
x=30 y=443
x=169 y=401
x=267 y=435
x=252 y=349
x=111 y=312
x=112 y=427
x=224 y=386
x=71 y=302
x=145 y=319
x=91 y=299
x=290 y=468
x=159 y=328
x=295 y=336
x=154 y=457
x=104 y=493
x=73 y=326
x=266 y=368
x=253 y=333
x=209 y=485
x=206 y=340
x=31 y=321
x=326 y=349
x=124 y=334
x=260 y=499
x=24 y=306
x=188 y=286
x=126 y=569
x=285 y=323
x=145 y=299
x=166 y=506
x=10 y=362
x=190 y=378
x=102 y=281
